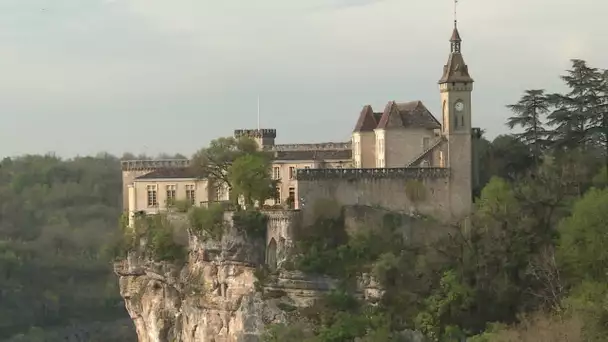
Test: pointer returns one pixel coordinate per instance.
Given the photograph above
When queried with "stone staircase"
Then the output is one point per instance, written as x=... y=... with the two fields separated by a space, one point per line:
x=425 y=152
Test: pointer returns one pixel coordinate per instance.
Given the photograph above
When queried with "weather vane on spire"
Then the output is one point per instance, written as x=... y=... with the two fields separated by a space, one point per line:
x=455 y=12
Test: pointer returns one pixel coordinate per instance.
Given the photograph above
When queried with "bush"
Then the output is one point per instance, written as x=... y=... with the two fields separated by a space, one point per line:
x=182 y=206
x=252 y=222
x=208 y=221
x=160 y=241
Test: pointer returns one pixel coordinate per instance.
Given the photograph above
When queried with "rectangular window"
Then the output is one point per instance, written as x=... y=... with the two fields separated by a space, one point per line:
x=292 y=172
x=292 y=197
x=218 y=193
x=190 y=194
x=171 y=194
x=277 y=196
x=152 y=200
x=276 y=172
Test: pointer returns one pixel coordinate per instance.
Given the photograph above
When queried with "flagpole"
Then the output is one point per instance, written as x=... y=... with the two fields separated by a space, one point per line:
x=258 y=112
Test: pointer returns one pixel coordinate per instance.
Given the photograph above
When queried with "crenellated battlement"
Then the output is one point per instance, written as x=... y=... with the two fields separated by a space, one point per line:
x=282 y=215
x=384 y=173
x=309 y=147
x=143 y=165
x=256 y=133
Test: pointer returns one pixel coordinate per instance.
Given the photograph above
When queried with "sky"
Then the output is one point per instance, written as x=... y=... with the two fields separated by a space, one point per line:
x=151 y=76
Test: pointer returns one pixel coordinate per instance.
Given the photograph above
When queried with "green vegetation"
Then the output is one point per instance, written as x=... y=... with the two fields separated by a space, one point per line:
x=208 y=222
x=160 y=236
x=181 y=206
x=253 y=221
x=250 y=178
x=57 y=216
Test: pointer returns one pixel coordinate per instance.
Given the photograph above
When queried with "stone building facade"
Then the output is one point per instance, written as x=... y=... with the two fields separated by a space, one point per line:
x=390 y=152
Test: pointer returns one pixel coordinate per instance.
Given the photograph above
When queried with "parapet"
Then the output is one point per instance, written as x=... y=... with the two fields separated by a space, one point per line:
x=256 y=133
x=135 y=165
x=316 y=147
x=384 y=173
x=292 y=215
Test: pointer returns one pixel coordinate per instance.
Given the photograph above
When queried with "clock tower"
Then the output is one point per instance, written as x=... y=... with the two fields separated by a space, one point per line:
x=456 y=86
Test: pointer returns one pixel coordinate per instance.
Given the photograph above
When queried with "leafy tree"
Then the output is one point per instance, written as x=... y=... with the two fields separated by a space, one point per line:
x=583 y=238
x=250 y=177
x=528 y=114
x=506 y=157
x=213 y=162
x=55 y=218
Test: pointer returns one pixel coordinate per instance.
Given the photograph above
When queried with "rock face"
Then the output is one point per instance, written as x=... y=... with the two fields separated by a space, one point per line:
x=215 y=294
x=211 y=297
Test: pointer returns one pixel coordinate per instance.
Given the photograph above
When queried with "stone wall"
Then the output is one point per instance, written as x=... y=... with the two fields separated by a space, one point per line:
x=385 y=188
x=132 y=169
x=279 y=235
x=313 y=147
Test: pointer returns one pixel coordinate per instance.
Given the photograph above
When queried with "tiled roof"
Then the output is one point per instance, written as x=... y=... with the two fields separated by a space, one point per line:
x=172 y=173
x=407 y=115
x=455 y=70
x=314 y=155
x=455 y=35
x=368 y=120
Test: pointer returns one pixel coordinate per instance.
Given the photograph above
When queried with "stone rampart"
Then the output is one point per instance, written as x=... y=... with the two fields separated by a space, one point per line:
x=329 y=146
x=407 y=190
x=151 y=165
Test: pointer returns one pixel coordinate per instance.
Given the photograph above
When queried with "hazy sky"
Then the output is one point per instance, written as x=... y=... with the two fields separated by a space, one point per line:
x=150 y=76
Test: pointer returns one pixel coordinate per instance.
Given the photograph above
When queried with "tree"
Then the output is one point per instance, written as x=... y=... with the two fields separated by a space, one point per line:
x=56 y=216
x=583 y=238
x=249 y=176
x=214 y=161
x=573 y=112
x=507 y=158
x=528 y=115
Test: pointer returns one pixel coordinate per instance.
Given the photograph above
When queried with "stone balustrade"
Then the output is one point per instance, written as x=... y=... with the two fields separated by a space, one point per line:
x=381 y=173
x=132 y=165
x=329 y=146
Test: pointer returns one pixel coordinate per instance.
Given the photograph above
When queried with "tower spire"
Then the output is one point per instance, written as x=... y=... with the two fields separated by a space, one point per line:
x=455 y=69
x=455 y=13
x=455 y=40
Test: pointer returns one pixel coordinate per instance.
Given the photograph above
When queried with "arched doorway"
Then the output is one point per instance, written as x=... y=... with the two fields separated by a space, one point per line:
x=271 y=254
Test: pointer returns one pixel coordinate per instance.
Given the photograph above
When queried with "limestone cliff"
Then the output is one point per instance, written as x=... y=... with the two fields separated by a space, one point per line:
x=214 y=295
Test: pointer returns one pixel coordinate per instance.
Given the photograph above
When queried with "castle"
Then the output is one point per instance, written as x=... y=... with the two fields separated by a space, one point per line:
x=401 y=158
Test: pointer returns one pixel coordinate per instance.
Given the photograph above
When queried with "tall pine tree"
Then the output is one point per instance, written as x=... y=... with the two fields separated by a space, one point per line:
x=575 y=111
x=528 y=114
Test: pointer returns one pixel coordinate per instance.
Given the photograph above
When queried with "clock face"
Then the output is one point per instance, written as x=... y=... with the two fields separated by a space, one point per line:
x=459 y=106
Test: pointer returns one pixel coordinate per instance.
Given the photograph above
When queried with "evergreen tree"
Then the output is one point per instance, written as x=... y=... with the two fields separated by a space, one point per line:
x=598 y=127
x=528 y=115
x=574 y=112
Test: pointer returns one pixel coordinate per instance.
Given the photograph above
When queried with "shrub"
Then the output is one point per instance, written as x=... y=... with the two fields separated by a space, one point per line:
x=160 y=239
x=253 y=222
x=208 y=221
